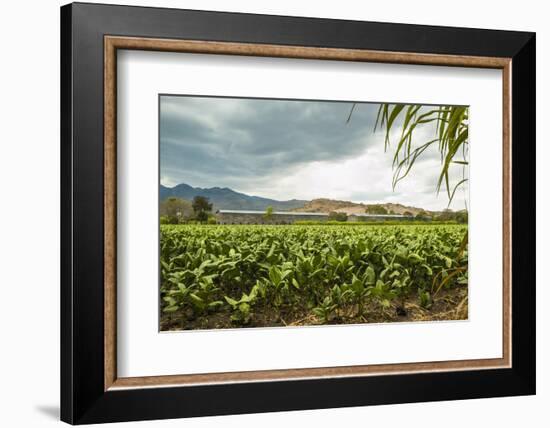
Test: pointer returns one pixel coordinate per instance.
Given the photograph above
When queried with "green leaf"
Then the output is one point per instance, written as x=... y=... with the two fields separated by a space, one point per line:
x=275 y=275
x=370 y=275
x=231 y=301
x=319 y=312
x=196 y=298
x=215 y=304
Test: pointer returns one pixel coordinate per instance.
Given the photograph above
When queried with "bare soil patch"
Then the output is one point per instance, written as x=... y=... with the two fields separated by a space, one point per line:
x=451 y=304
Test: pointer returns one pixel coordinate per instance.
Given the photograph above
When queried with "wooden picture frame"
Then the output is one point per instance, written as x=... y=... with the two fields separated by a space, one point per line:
x=91 y=390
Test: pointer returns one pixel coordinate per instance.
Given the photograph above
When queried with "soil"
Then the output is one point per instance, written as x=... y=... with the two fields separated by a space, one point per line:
x=449 y=304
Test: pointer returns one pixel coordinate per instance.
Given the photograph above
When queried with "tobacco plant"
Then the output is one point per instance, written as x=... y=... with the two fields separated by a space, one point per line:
x=329 y=272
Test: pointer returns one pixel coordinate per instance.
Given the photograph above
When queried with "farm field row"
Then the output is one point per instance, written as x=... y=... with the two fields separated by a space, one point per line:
x=217 y=276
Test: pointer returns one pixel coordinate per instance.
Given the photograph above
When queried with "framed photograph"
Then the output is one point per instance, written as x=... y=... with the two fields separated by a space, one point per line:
x=266 y=213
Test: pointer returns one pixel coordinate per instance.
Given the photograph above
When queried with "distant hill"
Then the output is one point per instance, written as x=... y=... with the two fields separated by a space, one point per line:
x=228 y=199
x=328 y=205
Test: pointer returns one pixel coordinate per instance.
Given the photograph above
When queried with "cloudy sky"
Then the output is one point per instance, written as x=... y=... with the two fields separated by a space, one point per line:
x=291 y=149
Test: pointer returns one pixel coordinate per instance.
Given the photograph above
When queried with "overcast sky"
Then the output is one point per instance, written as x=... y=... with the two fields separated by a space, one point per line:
x=291 y=149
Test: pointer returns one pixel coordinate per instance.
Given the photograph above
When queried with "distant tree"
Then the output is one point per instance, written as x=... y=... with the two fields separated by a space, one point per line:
x=449 y=215
x=422 y=215
x=446 y=215
x=376 y=209
x=336 y=216
x=201 y=207
x=201 y=216
x=461 y=217
x=201 y=203
x=408 y=214
x=175 y=210
x=268 y=215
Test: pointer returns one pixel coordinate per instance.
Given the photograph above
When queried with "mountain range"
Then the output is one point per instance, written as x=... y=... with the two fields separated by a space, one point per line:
x=228 y=199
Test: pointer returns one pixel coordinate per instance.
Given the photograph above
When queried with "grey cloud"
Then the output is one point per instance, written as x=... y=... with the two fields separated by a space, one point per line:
x=251 y=138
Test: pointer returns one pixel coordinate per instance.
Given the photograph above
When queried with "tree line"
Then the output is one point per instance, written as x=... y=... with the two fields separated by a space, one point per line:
x=175 y=210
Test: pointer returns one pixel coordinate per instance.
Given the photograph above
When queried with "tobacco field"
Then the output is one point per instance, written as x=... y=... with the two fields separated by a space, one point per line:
x=230 y=276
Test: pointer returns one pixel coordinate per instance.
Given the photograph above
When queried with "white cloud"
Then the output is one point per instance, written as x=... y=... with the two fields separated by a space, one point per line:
x=367 y=178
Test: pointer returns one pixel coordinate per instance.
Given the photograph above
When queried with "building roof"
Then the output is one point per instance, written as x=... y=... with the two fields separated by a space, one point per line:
x=378 y=215
x=274 y=212
x=297 y=213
